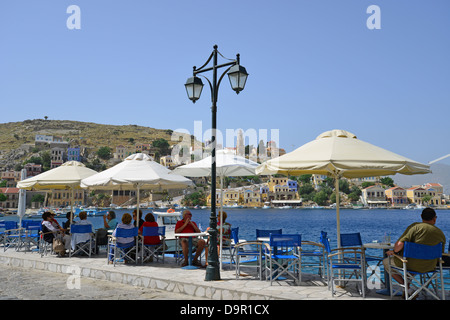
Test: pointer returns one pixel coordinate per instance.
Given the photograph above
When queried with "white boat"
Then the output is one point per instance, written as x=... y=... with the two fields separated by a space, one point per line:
x=414 y=206
x=169 y=220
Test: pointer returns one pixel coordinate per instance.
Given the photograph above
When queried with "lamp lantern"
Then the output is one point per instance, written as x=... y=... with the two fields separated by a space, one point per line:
x=194 y=86
x=238 y=76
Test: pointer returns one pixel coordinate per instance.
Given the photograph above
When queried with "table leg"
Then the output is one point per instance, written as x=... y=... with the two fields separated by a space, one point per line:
x=190 y=266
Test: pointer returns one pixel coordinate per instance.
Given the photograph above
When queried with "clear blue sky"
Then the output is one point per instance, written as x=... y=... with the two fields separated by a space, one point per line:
x=314 y=66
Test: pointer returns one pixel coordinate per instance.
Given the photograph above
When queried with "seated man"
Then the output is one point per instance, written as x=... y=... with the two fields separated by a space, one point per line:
x=188 y=226
x=424 y=232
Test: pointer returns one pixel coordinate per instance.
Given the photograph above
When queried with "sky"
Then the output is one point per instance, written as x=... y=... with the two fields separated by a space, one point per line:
x=313 y=66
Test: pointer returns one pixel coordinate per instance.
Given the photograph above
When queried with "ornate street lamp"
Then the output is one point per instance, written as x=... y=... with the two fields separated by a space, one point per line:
x=194 y=86
x=237 y=76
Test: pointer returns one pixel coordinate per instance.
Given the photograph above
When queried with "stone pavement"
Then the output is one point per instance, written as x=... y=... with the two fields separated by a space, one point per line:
x=78 y=278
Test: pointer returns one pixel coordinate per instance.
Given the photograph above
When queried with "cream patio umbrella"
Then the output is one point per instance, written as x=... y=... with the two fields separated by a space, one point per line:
x=227 y=165
x=65 y=177
x=338 y=153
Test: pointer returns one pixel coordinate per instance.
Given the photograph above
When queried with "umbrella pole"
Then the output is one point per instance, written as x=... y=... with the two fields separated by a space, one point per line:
x=138 y=208
x=71 y=207
x=338 y=218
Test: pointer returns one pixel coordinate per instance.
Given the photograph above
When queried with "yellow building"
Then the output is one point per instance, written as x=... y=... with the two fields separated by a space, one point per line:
x=252 y=198
x=62 y=198
x=230 y=197
x=415 y=194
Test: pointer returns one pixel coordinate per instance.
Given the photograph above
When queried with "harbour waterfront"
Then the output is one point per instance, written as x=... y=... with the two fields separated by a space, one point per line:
x=373 y=224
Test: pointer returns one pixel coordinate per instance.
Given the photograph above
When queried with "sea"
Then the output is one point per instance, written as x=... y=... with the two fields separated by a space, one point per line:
x=373 y=224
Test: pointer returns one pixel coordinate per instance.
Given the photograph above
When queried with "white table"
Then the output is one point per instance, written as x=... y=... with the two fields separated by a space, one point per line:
x=190 y=236
x=385 y=247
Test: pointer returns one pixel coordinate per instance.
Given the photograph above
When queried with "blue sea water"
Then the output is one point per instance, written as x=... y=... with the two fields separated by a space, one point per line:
x=373 y=224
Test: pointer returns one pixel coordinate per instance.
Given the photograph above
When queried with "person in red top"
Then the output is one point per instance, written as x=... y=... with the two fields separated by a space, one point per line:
x=150 y=222
x=188 y=226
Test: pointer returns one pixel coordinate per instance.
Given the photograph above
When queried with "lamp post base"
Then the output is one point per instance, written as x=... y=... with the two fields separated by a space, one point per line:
x=212 y=273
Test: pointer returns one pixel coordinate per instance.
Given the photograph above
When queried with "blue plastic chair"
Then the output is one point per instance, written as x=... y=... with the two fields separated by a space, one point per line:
x=314 y=256
x=247 y=254
x=30 y=236
x=121 y=251
x=153 y=250
x=422 y=252
x=347 y=259
x=11 y=234
x=354 y=240
x=87 y=247
x=283 y=257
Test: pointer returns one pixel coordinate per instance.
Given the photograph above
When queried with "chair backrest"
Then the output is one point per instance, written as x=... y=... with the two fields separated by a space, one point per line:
x=422 y=251
x=267 y=233
x=154 y=231
x=10 y=225
x=325 y=241
x=285 y=240
x=32 y=225
x=235 y=234
x=80 y=228
x=126 y=233
x=351 y=240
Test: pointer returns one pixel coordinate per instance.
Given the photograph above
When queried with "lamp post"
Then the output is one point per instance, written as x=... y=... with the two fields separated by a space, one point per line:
x=194 y=85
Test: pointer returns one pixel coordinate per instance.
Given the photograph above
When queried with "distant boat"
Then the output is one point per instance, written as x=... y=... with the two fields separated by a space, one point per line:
x=284 y=207
x=91 y=211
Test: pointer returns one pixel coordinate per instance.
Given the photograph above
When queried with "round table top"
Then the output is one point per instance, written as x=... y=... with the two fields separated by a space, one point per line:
x=379 y=245
x=191 y=234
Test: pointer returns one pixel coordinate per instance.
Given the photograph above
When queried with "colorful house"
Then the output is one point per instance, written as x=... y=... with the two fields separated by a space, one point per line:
x=396 y=196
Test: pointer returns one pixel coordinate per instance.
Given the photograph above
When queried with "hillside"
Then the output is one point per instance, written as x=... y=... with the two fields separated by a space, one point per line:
x=17 y=138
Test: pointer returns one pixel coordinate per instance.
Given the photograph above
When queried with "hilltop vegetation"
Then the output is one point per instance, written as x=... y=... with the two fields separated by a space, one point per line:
x=17 y=138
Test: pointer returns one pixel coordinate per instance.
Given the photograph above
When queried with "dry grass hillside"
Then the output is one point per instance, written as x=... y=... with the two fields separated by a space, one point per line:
x=21 y=135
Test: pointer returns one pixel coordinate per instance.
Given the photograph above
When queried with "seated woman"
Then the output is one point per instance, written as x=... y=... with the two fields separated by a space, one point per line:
x=82 y=237
x=51 y=231
x=126 y=224
x=150 y=222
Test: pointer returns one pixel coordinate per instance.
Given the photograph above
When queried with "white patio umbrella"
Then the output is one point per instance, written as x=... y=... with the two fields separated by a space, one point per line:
x=67 y=176
x=338 y=153
x=227 y=165
x=137 y=172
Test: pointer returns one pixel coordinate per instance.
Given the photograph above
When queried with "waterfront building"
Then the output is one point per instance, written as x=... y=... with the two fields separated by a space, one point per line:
x=62 y=198
x=374 y=197
x=415 y=194
x=396 y=196
x=121 y=197
x=11 y=177
x=252 y=198
x=12 y=198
